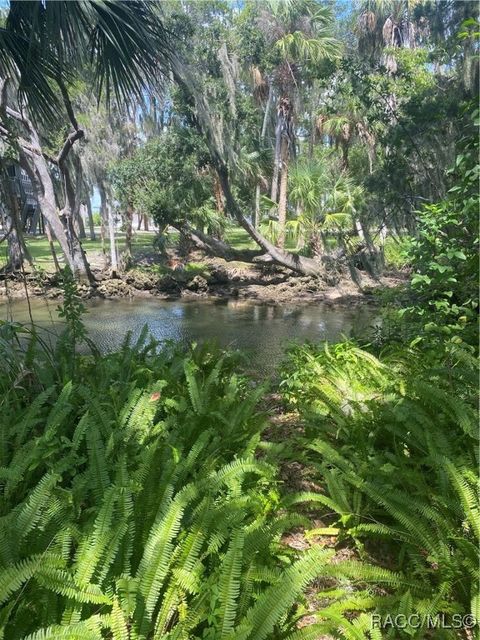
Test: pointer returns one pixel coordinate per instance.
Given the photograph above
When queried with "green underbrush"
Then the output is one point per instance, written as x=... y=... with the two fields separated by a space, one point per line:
x=142 y=497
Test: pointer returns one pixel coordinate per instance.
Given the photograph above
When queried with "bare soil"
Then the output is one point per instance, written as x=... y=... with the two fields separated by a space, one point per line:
x=206 y=277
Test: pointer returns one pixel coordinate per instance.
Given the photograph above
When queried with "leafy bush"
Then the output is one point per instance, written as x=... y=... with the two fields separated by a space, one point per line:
x=394 y=445
x=444 y=256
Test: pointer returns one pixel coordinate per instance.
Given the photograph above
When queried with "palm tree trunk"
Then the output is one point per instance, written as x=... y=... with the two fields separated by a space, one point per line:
x=282 y=200
x=256 y=213
x=256 y=218
x=277 y=157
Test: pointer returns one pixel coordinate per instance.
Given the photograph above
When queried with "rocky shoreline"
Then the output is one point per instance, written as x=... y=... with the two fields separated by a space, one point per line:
x=216 y=279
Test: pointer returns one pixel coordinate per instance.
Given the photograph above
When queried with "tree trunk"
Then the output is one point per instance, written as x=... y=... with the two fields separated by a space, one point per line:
x=218 y=194
x=17 y=249
x=302 y=265
x=103 y=216
x=213 y=246
x=91 y=226
x=282 y=200
x=34 y=162
x=127 y=255
x=51 y=245
x=79 y=224
x=219 y=201
x=113 y=248
x=145 y=222
x=36 y=167
x=257 y=214
x=15 y=256
x=81 y=266
x=263 y=132
x=277 y=158
x=79 y=185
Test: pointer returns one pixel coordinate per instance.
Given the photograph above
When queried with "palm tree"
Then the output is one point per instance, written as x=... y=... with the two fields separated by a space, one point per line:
x=44 y=46
x=327 y=203
x=344 y=127
x=386 y=24
x=300 y=34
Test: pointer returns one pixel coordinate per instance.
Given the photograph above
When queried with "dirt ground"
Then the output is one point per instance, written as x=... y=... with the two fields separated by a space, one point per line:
x=209 y=277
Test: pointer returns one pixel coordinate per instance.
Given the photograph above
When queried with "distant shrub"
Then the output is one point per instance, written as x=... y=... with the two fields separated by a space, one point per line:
x=396 y=252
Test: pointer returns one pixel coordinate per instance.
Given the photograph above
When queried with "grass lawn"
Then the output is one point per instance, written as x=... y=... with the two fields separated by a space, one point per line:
x=239 y=239
x=40 y=251
x=142 y=241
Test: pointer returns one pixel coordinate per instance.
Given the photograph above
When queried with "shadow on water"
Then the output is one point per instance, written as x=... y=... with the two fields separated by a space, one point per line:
x=263 y=331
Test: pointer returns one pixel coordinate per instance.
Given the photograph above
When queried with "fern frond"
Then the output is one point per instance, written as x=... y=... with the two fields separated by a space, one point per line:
x=277 y=599
x=156 y=559
x=229 y=583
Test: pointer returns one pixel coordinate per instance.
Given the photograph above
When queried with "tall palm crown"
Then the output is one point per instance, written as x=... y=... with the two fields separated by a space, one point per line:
x=300 y=33
x=45 y=40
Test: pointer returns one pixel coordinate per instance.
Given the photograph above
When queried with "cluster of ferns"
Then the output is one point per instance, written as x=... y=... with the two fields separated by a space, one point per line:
x=140 y=498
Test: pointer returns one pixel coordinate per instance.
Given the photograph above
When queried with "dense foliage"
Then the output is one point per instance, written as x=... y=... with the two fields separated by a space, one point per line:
x=444 y=255
x=134 y=503
x=147 y=493
x=394 y=441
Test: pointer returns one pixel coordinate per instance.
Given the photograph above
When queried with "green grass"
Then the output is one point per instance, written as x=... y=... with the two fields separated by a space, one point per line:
x=142 y=242
x=40 y=250
x=396 y=252
x=239 y=239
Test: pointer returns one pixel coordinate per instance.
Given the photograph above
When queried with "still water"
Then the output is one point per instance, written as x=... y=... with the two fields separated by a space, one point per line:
x=264 y=331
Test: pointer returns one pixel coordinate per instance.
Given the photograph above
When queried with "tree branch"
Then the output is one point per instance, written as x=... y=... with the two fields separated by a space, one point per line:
x=68 y=103
x=67 y=145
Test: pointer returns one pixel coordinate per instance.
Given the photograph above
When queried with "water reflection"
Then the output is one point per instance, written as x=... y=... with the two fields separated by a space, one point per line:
x=263 y=330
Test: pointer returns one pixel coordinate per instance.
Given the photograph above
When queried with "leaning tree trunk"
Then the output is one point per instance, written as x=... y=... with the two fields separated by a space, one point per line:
x=300 y=264
x=33 y=160
x=292 y=261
